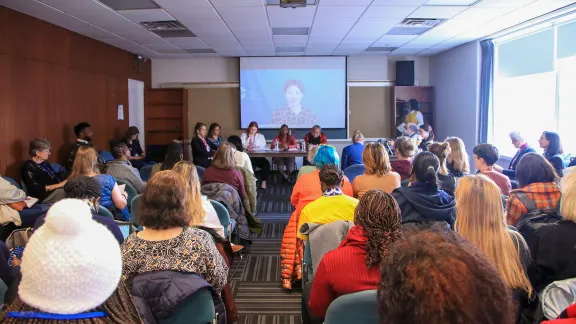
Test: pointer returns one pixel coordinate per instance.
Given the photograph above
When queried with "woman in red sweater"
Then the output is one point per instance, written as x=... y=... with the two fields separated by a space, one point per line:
x=223 y=169
x=353 y=266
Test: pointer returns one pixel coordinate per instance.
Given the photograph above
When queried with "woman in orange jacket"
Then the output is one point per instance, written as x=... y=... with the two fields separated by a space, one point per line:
x=306 y=190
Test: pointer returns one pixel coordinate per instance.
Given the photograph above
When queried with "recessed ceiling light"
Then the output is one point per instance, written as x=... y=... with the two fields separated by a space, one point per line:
x=451 y=2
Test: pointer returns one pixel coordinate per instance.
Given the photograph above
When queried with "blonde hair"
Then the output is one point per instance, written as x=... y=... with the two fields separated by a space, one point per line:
x=85 y=162
x=357 y=136
x=187 y=170
x=458 y=155
x=568 y=189
x=375 y=159
x=224 y=157
x=441 y=150
x=312 y=153
x=480 y=219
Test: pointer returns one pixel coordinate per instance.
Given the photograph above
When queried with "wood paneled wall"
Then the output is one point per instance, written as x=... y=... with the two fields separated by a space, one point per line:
x=51 y=79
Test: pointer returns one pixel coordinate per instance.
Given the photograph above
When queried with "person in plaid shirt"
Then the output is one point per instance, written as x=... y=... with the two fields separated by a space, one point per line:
x=539 y=181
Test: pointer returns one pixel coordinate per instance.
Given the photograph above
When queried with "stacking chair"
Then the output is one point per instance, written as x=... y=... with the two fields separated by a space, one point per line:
x=146 y=172
x=103 y=211
x=106 y=155
x=360 y=307
x=135 y=214
x=200 y=171
x=130 y=190
x=353 y=171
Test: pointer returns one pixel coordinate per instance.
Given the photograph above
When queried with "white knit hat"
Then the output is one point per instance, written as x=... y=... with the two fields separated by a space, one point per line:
x=72 y=263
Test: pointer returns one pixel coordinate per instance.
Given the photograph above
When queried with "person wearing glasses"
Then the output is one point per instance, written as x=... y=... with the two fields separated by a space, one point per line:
x=42 y=181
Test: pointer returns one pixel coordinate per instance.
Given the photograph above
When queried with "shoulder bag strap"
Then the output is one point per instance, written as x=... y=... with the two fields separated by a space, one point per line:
x=530 y=205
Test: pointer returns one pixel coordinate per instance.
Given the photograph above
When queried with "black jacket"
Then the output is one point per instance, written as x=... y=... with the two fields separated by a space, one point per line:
x=200 y=153
x=37 y=177
x=421 y=204
x=511 y=172
x=554 y=254
x=157 y=294
x=557 y=162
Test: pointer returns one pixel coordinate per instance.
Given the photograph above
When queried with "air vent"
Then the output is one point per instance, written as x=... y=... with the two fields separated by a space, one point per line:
x=277 y=2
x=419 y=22
x=381 y=49
x=167 y=29
x=201 y=51
x=291 y=31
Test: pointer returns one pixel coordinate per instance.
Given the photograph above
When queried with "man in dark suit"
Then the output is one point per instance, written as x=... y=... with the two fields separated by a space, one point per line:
x=523 y=148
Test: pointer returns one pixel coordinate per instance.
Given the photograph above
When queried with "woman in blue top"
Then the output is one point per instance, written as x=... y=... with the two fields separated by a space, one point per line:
x=112 y=198
x=214 y=139
x=352 y=154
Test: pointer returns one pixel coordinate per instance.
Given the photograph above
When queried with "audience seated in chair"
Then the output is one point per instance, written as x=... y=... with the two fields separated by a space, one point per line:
x=332 y=205
x=523 y=148
x=423 y=202
x=88 y=281
x=201 y=210
x=174 y=154
x=446 y=180
x=214 y=138
x=223 y=170
x=201 y=151
x=40 y=179
x=166 y=221
x=404 y=149
x=424 y=265
x=378 y=173
x=485 y=158
x=354 y=265
x=306 y=190
x=114 y=199
x=137 y=156
x=553 y=151
x=84 y=135
x=88 y=190
x=479 y=220
x=310 y=167
x=352 y=154
x=554 y=253
x=13 y=208
x=242 y=159
x=538 y=181
x=122 y=169
x=457 y=161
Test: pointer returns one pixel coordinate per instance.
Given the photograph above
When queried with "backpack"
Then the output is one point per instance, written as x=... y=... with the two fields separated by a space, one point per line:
x=529 y=223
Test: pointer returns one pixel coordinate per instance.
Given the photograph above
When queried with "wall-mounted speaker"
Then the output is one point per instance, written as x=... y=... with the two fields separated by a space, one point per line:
x=405 y=73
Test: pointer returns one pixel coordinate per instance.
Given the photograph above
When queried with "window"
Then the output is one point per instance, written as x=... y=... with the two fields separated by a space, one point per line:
x=535 y=87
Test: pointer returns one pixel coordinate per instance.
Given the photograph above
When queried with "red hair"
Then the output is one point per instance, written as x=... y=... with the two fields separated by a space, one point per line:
x=253 y=124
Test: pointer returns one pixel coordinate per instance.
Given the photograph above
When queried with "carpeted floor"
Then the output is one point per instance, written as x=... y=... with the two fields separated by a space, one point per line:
x=256 y=285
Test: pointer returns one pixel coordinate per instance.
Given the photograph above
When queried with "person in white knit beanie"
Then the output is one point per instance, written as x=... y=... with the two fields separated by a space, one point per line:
x=71 y=269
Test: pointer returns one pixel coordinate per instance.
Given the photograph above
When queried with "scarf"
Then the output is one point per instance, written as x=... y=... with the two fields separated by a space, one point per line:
x=332 y=192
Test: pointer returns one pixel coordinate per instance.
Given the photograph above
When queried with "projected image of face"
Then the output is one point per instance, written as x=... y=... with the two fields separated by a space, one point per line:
x=293 y=96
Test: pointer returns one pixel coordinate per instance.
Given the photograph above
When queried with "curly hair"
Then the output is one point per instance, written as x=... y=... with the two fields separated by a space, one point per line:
x=436 y=277
x=83 y=187
x=379 y=215
x=331 y=175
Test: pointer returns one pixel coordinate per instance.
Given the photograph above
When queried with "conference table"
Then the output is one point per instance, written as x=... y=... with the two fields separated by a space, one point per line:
x=276 y=154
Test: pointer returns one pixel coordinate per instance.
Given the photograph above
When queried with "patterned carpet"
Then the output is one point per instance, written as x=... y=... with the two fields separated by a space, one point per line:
x=256 y=285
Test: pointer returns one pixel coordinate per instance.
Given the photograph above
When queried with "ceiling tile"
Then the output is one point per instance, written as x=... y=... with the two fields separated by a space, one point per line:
x=412 y=46
x=442 y=12
x=129 y=4
x=330 y=29
x=237 y=3
x=340 y=11
x=289 y=41
x=478 y=16
x=367 y=29
x=504 y=3
x=398 y=2
x=146 y=15
x=286 y=17
x=397 y=38
x=187 y=42
x=345 y=2
x=389 y=11
x=450 y=2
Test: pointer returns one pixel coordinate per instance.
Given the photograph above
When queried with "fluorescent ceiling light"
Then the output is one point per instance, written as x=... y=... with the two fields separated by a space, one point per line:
x=450 y=2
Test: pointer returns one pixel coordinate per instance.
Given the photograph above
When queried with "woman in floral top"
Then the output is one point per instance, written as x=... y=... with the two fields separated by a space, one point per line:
x=167 y=243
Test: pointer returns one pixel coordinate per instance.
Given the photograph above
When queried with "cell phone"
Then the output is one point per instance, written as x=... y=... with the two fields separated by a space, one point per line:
x=18 y=251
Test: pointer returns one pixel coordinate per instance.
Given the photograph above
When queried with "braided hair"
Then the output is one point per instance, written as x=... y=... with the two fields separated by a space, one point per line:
x=379 y=215
x=83 y=187
x=331 y=175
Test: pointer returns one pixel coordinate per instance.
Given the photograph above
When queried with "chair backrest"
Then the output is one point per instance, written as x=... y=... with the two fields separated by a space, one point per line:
x=223 y=215
x=135 y=214
x=200 y=171
x=23 y=186
x=130 y=190
x=57 y=168
x=196 y=309
x=360 y=307
x=12 y=181
x=405 y=182
x=353 y=171
x=103 y=211
x=146 y=172
x=106 y=155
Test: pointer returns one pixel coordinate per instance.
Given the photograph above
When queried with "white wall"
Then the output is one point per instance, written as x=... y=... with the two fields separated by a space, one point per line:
x=226 y=69
x=455 y=75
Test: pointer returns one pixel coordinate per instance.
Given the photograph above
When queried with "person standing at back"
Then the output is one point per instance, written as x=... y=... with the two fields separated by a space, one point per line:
x=485 y=157
x=84 y=136
x=352 y=154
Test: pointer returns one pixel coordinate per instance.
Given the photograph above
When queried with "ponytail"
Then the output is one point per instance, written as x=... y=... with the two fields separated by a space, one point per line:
x=430 y=177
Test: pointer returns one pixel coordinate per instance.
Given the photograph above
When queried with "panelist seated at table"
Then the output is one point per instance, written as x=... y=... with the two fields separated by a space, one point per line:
x=252 y=140
x=285 y=141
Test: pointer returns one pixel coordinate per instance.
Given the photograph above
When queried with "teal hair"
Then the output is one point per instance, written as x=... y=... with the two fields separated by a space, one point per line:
x=326 y=155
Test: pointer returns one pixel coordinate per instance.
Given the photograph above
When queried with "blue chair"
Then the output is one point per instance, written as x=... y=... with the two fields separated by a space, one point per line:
x=23 y=186
x=146 y=172
x=106 y=155
x=135 y=214
x=103 y=211
x=200 y=171
x=12 y=181
x=60 y=170
x=405 y=182
x=224 y=218
x=360 y=307
x=353 y=171
x=196 y=309
x=130 y=190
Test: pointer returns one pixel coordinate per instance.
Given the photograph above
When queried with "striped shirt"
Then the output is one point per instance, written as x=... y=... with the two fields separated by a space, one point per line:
x=544 y=195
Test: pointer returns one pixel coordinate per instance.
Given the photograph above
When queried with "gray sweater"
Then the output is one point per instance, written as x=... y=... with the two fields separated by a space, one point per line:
x=123 y=170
